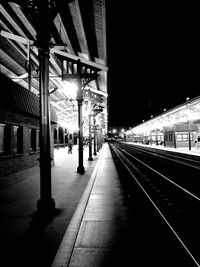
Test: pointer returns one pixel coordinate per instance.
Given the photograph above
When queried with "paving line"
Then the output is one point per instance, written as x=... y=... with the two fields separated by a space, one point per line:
x=65 y=249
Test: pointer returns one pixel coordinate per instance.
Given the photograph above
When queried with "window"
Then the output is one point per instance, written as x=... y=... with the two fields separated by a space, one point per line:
x=184 y=137
x=17 y=139
x=2 y=138
x=179 y=137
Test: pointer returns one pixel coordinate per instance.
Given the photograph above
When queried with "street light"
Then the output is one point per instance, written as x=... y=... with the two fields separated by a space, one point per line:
x=90 y=130
x=70 y=89
x=90 y=136
x=80 y=74
x=72 y=86
x=75 y=89
x=96 y=109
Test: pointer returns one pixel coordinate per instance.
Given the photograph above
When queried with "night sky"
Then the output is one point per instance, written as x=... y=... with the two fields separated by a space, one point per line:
x=153 y=56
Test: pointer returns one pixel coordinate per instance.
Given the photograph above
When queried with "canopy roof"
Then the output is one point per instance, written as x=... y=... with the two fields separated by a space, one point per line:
x=77 y=31
x=184 y=113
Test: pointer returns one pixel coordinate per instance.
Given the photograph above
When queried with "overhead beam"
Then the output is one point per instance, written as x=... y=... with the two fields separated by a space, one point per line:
x=63 y=33
x=78 y=25
x=87 y=62
x=24 y=19
x=97 y=91
x=11 y=20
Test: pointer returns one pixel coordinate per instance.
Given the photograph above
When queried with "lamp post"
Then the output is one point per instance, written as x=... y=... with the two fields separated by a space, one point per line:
x=94 y=133
x=80 y=73
x=90 y=137
x=189 y=135
x=97 y=109
x=79 y=98
x=74 y=83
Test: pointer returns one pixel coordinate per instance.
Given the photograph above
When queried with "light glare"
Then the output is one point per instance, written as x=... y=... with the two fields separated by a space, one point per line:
x=70 y=89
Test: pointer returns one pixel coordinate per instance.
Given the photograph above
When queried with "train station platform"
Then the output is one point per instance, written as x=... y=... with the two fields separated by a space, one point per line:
x=97 y=230
x=183 y=150
x=95 y=223
x=27 y=239
x=110 y=228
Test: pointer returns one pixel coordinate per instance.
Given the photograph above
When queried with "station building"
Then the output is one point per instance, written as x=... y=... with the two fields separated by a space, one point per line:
x=177 y=127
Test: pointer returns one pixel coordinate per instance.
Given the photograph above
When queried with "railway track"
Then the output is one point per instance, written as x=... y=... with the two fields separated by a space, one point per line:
x=171 y=184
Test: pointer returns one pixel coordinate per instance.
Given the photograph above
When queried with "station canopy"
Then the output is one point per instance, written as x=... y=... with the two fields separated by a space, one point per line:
x=184 y=113
x=77 y=32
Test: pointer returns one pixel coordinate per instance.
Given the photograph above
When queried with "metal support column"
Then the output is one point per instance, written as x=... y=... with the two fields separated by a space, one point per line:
x=90 y=138
x=94 y=131
x=46 y=202
x=189 y=136
x=57 y=136
x=29 y=66
x=97 y=135
x=80 y=168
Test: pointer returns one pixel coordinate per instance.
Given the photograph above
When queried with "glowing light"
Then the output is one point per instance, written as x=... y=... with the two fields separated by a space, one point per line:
x=70 y=126
x=181 y=114
x=70 y=89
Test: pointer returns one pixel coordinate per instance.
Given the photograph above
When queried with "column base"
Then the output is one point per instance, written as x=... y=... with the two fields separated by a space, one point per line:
x=90 y=158
x=46 y=207
x=81 y=170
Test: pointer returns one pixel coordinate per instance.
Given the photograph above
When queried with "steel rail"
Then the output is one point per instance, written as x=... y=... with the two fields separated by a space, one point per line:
x=163 y=176
x=156 y=207
x=170 y=155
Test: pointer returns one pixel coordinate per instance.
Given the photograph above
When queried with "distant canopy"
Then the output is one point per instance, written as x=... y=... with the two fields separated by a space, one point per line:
x=18 y=99
x=181 y=127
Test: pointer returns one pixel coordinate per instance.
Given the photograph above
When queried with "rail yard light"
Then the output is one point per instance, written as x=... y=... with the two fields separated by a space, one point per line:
x=122 y=133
